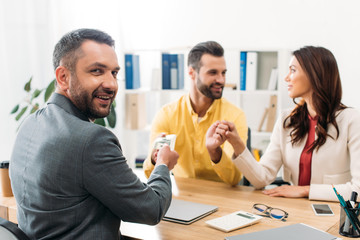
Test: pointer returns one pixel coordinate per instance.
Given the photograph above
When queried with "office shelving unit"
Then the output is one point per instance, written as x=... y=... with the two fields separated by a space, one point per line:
x=252 y=102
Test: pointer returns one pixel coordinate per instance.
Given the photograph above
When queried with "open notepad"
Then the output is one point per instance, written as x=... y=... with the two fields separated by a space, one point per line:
x=297 y=231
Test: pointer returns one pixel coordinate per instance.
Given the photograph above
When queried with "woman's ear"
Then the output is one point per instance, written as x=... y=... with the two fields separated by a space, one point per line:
x=62 y=78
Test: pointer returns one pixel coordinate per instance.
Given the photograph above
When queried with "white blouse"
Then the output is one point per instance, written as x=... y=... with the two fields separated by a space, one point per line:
x=336 y=162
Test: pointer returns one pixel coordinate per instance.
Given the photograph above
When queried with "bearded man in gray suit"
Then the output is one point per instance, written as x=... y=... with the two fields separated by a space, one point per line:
x=69 y=176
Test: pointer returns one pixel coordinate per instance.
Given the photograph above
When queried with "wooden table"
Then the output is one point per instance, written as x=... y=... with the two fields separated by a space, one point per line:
x=231 y=199
x=8 y=208
x=228 y=199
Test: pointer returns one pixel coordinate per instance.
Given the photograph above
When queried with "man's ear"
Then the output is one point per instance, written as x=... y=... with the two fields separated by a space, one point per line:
x=192 y=73
x=62 y=77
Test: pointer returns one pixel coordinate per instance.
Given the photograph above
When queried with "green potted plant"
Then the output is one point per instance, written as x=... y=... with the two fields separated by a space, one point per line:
x=32 y=102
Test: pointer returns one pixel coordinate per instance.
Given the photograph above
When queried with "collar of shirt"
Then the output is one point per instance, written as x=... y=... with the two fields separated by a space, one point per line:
x=209 y=111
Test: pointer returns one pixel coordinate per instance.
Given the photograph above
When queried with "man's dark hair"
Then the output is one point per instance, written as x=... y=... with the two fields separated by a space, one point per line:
x=68 y=48
x=209 y=47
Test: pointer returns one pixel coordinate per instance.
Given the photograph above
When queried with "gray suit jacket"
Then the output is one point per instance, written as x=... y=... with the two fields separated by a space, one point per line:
x=71 y=180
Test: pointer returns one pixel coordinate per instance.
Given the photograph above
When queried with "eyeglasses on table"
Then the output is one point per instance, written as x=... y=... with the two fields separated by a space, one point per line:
x=264 y=210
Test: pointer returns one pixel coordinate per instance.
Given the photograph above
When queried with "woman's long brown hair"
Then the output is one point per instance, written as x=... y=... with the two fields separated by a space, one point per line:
x=320 y=66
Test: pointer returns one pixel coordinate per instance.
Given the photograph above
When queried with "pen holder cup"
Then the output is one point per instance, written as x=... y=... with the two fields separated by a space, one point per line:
x=346 y=227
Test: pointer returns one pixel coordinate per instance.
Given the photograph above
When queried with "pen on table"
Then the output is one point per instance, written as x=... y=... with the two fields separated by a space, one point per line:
x=352 y=203
x=351 y=210
x=343 y=204
x=354 y=218
x=353 y=199
x=346 y=227
x=341 y=199
x=358 y=209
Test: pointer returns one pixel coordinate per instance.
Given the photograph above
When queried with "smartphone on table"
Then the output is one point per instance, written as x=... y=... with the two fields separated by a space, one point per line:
x=322 y=209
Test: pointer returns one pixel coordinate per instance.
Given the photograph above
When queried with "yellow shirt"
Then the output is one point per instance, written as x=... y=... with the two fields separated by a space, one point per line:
x=194 y=160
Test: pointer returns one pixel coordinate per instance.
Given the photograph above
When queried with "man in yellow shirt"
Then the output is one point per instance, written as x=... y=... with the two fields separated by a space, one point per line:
x=190 y=117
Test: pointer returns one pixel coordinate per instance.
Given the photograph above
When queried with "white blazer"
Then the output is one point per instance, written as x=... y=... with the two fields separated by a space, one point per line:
x=336 y=162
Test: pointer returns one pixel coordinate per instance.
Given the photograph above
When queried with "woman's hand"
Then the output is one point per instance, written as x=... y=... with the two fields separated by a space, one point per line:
x=233 y=137
x=288 y=191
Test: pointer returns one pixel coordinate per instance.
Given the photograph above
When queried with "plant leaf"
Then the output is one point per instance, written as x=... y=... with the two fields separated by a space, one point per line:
x=49 y=90
x=21 y=113
x=36 y=107
x=100 y=121
x=36 y=93
x=27 y=86
x=15 y=109
x=111 y=118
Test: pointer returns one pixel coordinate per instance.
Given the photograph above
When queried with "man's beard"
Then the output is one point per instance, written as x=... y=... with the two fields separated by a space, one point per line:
x=83 y=100
x=206 y=90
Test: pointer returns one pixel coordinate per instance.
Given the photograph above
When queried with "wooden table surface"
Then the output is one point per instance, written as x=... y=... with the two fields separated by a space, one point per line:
x=228 y=199
x=231 y=199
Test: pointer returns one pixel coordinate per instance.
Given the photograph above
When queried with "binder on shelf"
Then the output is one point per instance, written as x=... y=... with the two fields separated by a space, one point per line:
x=156 y=79
x=174 y=71
x=263 y=119
x=273 y=79
x=243 y=70
x=230 y=86
x=136 y=70
x=165 y=60
x=128 y=71
x=139 y=161
x=251 y=70
x=181 y=76
x=135 y=110
x=132 y=71
x=271 y=116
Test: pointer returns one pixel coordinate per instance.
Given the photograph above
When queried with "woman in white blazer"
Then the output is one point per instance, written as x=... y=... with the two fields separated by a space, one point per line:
x=317 y=143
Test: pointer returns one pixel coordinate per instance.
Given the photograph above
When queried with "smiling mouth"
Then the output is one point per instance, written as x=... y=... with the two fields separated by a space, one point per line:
x=104 y=97
x=217 y=87
x=104 y=100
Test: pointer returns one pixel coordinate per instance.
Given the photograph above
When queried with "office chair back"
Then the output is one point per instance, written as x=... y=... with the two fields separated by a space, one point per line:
x=10 y=231
x=278 y=181
x=244 y=181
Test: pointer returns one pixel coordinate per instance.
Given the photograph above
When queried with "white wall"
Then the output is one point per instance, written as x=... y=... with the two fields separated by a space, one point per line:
x=30 y=28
